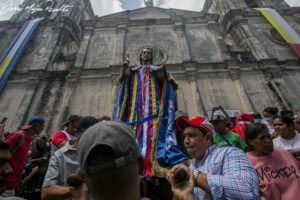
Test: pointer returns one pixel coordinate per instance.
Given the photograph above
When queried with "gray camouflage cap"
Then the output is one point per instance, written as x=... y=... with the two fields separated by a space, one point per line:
x=118 y=136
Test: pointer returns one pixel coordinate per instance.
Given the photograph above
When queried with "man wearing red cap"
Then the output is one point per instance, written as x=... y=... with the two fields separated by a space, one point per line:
x=18 y=143
x=223 y=137
x=60 y=138
x=214 y=173
x=243 y=120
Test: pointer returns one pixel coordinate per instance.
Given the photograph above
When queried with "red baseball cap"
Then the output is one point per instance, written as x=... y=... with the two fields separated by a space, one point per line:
x=244 y=117
x=196 y=122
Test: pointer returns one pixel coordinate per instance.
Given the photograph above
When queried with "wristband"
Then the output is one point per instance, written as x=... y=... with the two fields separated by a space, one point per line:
x=196 y=172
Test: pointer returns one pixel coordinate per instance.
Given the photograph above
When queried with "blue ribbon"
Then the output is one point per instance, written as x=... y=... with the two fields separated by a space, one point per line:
x=224 y=139
x=143 y=120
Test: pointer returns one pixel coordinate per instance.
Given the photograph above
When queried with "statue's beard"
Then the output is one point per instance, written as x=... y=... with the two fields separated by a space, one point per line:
x=146 y=60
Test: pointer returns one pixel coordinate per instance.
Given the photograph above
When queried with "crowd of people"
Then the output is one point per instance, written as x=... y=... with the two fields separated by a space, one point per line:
x=250 y=157
x=140 y=153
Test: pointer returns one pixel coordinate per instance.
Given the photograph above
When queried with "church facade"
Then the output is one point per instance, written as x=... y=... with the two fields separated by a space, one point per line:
x=228 y=54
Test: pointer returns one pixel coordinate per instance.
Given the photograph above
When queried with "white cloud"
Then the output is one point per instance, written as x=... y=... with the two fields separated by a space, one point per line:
x=105 y=7
x=293 y=2
x=8 y=7
x=195 y=5
x=100 y=7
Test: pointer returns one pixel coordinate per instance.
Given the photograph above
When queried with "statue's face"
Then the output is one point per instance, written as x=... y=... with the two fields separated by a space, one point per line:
x=146 y=56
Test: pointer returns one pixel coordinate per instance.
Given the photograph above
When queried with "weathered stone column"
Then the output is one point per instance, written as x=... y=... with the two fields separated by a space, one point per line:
x=243 y=97
x=22 y=114
x=120 y=45
x=219 y=40
x=279 y=93
x=71 y=85
x=192 y=78
x=272 y=72
x=248 y=40
x=198 y=100
x=181 y=104
x=115 y=92
x=185 y=51
x=83 y=49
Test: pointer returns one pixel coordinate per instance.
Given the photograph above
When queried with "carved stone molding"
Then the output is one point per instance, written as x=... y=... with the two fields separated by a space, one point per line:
x=234 y=72
x=121 y=29
x=89 y=30
x=179 y=26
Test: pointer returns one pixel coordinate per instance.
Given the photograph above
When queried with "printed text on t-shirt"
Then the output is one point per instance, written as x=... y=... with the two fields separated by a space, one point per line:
x=269 y=174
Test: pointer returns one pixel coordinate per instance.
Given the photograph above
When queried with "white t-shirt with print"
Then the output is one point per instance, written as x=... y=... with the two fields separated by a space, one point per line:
x=287 y=144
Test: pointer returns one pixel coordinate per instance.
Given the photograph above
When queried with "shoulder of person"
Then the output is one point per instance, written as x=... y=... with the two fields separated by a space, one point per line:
x=276 y=140
x=228 y=150
x=59 y=134
x=62 y=150
x=14 y=135
x=234 y=134
x=281 y=151
x=284 y=155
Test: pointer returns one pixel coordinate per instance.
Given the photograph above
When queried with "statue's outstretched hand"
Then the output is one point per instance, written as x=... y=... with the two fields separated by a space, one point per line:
x=125 y=65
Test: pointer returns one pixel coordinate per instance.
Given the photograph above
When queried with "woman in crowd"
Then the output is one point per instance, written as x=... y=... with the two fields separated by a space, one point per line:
x=277 y=169
x=297 y=120
x=288 y=138
x=257 y=118
x=269 y=114
x=243 y=120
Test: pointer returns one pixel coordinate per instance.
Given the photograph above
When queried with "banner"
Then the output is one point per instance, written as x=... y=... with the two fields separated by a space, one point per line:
x=15 y=49
x=284 y=29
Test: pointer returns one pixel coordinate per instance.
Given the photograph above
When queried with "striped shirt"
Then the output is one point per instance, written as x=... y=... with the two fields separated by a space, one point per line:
x=230 y=174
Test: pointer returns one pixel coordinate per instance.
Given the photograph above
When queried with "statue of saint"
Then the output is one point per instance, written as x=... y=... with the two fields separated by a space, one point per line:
x=146 y=103
x=148 y=3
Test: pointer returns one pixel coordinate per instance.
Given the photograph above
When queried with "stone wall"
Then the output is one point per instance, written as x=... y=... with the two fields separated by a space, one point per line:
x=71 y=68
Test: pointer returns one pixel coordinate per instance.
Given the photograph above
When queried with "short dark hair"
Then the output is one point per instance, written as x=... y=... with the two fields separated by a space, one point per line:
x=287 y=120
x=4 y=146
x=271 y=110
x=251 y=132
x=85 y=122
x=257 y=115
x=204 y=131
x=286 y=112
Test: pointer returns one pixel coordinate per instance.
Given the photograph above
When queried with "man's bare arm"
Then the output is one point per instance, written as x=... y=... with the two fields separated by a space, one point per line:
x=212 y=114
x=33 y=172
x=55 y=192
x=298 y=114
x=203 y=183
x=225 y=113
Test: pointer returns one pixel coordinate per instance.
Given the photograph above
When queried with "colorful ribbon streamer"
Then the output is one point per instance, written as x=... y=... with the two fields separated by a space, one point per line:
x=15 y=49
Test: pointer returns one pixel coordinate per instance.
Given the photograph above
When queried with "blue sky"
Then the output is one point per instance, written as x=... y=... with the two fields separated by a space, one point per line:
x=105 y=7
x=130 y=4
